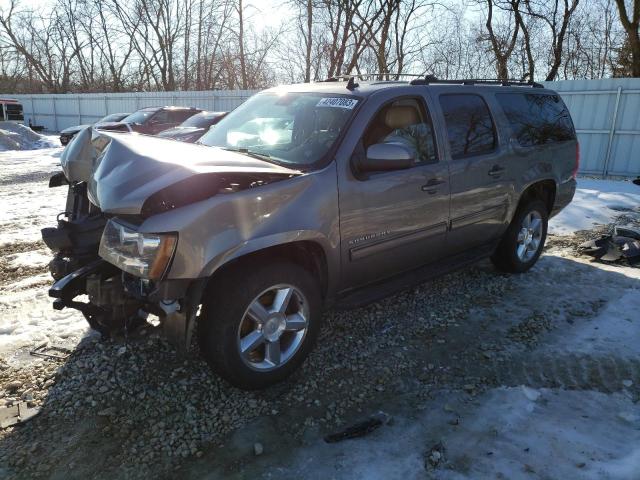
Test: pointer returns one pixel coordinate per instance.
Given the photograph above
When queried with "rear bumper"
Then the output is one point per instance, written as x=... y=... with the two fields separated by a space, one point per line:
x=564 y=195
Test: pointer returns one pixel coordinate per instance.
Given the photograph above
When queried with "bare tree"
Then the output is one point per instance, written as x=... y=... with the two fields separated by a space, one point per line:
x=631 y=26
x=501 y=36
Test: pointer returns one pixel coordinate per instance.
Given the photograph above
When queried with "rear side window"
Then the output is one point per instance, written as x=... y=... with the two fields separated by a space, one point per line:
x=180 y=116
x=537 y=119
x=469 y=125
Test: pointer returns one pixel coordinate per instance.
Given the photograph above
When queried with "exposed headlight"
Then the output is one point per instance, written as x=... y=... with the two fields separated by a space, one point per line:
x=145 y=255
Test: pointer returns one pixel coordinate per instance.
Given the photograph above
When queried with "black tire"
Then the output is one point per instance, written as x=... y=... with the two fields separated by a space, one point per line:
x=505 y=258
x=226 y=301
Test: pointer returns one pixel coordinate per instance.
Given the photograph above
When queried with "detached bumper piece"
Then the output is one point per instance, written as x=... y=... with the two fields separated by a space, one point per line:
x=69 y=287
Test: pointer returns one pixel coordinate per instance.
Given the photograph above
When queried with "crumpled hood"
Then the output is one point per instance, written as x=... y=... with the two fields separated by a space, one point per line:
x=129 y=169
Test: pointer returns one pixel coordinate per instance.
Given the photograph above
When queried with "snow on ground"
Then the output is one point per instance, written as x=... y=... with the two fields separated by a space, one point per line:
x=596 y=202
x=511 y=433
x=14 y=136
x=28 y=204
x=27 y=318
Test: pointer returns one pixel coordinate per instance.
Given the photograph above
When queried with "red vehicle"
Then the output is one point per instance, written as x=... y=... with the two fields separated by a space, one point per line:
x=152 y=120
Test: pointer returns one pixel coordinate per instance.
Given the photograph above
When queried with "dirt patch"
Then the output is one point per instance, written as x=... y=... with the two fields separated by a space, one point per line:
x=11 y=272
x=528 y=330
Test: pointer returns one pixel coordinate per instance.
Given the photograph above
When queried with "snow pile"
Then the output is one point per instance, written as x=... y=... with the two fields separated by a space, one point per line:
x=28 y=204
x=597 y=202
x=14 y=136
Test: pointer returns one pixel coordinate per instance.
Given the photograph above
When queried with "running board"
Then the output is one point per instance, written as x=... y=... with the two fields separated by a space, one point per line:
x=377 y=291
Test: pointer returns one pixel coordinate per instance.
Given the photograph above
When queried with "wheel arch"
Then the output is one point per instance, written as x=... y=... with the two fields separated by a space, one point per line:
x=310 y=254
x=544 y=190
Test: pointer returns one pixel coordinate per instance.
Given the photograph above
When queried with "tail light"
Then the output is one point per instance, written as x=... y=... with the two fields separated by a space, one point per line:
x=577 y=165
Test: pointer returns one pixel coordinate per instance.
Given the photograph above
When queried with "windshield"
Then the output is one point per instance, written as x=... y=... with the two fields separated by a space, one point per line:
x=139 y=117
x=295 y=129
x=114 y=117
x=201 y=120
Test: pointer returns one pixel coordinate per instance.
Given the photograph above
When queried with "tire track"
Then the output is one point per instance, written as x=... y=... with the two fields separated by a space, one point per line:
x=573 y=372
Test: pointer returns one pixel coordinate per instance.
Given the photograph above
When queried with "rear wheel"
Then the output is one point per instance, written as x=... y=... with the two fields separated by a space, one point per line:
x=260 y=322
x=523 y=241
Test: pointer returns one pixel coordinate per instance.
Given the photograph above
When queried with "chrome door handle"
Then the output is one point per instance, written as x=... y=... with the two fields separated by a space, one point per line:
x=431 y=186
x=496 y=171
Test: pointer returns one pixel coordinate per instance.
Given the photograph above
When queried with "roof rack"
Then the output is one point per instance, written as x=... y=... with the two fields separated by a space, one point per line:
x=391 y=75
x=351 y=79
x=432 y=80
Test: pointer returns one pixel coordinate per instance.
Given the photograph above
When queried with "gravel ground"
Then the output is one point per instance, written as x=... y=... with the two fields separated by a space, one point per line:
x=159 y=408
x=133 y=408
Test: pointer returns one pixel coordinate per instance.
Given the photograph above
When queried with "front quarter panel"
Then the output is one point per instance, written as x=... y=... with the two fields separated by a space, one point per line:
x=227 y=226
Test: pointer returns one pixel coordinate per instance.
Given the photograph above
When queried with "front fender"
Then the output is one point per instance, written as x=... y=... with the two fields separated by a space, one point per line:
x=218 y=230
x=275 y=240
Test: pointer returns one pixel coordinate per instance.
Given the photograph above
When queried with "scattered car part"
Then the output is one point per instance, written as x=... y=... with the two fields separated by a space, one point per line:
x=612 y=248
x=45 y=350
x=359 y=429
x=16 y=414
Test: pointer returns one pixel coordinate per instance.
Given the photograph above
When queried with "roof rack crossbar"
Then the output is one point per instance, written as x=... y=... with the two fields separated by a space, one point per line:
x=430 y=79
x=394 y=75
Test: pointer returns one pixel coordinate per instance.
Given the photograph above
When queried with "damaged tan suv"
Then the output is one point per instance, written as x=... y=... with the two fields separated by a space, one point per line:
x=306 y=196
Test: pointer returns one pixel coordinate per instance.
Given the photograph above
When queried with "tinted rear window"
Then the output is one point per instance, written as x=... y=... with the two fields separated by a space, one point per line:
x=469 y=125
x=537 y=119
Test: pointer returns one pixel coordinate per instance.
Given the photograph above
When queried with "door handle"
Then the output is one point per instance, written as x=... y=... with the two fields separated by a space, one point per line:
x=496 y=171
x=431 y=186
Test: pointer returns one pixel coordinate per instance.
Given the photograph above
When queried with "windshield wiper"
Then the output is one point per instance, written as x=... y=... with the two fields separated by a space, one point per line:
x=250 y=153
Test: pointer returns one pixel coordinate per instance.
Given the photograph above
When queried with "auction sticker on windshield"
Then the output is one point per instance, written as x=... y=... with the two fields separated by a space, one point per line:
x=339 y=102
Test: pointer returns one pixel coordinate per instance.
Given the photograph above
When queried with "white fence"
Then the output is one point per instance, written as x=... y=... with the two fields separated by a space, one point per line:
x=58 y=111
x=606 y=114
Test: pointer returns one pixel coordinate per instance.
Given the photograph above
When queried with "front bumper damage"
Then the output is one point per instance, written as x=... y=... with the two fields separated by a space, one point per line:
x=116 y=297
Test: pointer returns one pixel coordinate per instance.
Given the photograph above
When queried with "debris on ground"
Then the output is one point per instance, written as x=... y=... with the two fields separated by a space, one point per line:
x=434 y=456
x=44 y=350
x=15 y=414
x=359 y=429
x=621 y=246
x=258 y=449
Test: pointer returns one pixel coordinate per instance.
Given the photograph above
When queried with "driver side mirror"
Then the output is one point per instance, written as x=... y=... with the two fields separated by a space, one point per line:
x=385 y=157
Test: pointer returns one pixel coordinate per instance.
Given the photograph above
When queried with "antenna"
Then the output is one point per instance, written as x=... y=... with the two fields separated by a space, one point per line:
x=351 y=84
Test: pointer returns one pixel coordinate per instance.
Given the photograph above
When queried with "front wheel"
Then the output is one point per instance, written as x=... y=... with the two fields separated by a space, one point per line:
x=260 y=322
x=523 y=241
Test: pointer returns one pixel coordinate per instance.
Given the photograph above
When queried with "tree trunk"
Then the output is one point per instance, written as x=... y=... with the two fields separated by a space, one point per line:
x=307 y=66
x=243 y=66
x=631 y=26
